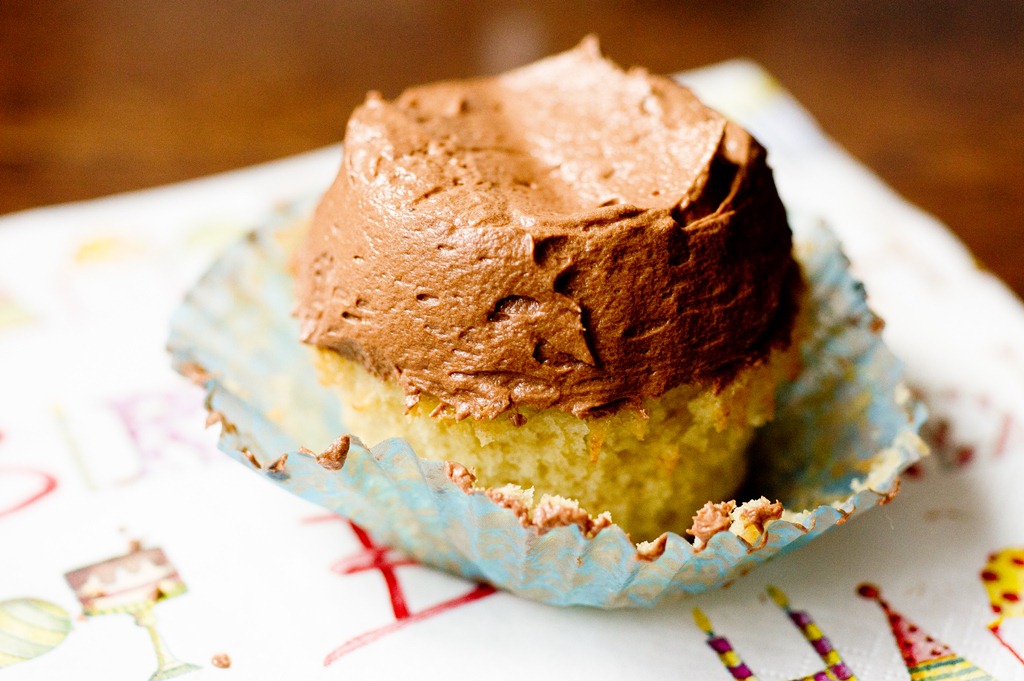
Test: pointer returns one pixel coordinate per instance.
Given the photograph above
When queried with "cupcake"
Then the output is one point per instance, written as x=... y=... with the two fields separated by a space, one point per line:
x=572 y=282
x=556 y=323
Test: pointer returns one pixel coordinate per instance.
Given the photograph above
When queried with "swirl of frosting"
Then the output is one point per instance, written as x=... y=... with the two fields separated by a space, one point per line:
x=567 y=234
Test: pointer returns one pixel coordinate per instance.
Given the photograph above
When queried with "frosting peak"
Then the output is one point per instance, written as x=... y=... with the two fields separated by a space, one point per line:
x=567 y=234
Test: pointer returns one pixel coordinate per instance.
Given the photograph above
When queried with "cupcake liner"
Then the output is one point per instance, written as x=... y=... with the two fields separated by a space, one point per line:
x=844 y=430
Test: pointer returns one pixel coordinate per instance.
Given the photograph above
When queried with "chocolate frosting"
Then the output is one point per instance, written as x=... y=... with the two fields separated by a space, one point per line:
x=567 y=235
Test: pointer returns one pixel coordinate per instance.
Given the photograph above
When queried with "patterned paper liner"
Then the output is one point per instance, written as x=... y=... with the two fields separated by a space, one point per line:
x=844 y=431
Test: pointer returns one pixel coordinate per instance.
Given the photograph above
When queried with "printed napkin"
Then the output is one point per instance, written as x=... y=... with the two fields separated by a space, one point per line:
x=130 y=548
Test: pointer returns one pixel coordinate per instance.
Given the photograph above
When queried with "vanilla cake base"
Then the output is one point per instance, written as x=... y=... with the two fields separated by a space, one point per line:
x=650 y=473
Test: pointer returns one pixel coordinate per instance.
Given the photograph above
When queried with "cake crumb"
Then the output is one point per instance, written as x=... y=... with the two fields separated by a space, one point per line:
x=517 y=419
x=278 y=466
x=751 y=519
x=760 y=512
x=711 y=519
x=307 y=451
x=221 y=661
x=333 y=458
x=460 y=475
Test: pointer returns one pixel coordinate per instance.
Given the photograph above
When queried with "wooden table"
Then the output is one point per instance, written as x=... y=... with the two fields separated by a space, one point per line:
x=101 y=96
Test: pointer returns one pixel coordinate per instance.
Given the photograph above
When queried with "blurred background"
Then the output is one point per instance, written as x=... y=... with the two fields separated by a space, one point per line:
x=103 y=96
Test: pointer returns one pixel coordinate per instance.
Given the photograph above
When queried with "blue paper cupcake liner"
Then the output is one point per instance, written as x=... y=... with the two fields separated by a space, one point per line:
x=844 y=430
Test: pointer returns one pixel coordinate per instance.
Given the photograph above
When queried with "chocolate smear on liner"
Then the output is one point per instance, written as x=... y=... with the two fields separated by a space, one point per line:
x=214 y=416
x=551 y=512
x=333 y=458
x=278 y=466
x=252 y=458
x=711 y=519
x=195 y=373
x=652 y=550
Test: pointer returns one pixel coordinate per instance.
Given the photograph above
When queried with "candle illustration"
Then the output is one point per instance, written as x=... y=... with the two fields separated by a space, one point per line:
x=835 y=669
x=133 y=584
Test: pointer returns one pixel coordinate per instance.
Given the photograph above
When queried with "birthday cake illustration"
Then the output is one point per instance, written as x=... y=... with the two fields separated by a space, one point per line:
x=133 y=583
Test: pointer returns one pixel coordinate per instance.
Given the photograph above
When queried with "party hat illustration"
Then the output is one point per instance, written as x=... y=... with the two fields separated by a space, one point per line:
x=926 y=658
x=1003 y=577
x=835 y=669
x=30 y=627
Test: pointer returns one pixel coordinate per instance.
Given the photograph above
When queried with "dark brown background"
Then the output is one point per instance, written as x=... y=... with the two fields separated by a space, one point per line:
x=101 y=96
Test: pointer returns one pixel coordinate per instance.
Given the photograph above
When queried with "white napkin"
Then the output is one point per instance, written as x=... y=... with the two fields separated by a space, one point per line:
x=102 y=444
